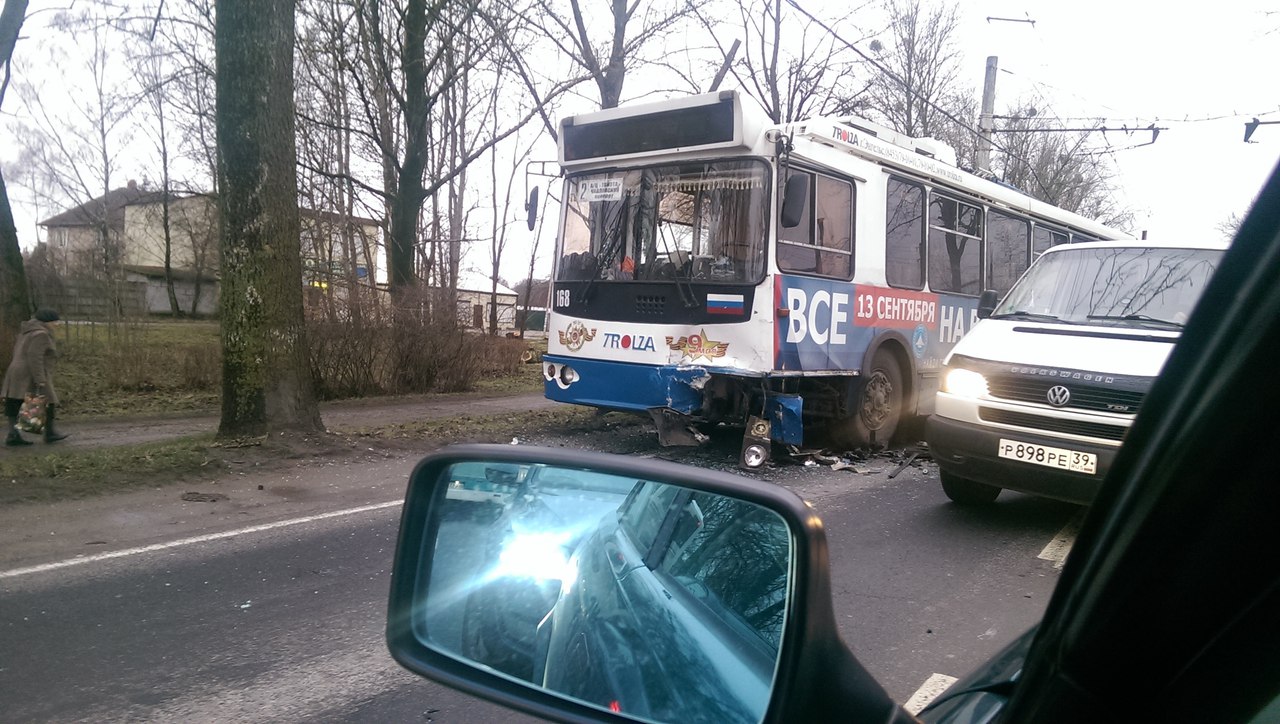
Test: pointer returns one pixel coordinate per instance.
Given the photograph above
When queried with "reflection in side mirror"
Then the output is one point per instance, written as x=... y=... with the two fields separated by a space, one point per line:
x=795 y=199
x=987 y=303
x=531 y=208
x=626 y=594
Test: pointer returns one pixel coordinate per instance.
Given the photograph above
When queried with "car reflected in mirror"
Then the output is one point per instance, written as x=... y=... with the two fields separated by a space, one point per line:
x=625 y=594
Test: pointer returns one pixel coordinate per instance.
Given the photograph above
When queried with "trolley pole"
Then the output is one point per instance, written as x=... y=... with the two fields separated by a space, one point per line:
x=986 y=122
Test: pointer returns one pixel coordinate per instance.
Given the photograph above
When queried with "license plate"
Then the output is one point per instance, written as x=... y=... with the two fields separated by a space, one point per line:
x=1053 y=457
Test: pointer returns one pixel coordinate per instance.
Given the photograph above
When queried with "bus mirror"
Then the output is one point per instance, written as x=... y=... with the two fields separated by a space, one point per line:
x=987 y=303
x=795 y=199
x=531 y=207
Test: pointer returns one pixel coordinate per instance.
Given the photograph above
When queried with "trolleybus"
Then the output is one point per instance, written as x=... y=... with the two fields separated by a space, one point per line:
x=802 y=280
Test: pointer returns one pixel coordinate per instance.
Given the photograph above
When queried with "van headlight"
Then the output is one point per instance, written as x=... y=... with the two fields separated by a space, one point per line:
x=964 y=383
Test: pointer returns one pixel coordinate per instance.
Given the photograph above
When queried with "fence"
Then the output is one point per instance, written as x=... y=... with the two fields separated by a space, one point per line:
x=95 y=300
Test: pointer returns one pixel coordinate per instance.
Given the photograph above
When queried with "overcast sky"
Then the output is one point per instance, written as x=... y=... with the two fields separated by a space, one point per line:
x=1200 y=70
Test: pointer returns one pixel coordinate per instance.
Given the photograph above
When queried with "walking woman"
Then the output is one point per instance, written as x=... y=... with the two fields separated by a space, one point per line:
x=31 y=372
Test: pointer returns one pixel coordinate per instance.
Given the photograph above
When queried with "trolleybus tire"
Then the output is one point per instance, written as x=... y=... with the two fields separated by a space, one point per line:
x=877 y=410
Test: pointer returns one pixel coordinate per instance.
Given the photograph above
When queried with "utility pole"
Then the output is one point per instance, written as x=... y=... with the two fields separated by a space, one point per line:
x=986 y=124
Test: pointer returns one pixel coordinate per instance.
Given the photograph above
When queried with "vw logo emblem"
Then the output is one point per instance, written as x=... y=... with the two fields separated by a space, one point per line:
x=1058 y=396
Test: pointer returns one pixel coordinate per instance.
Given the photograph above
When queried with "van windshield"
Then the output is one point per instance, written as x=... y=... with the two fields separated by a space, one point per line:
x=1130 y=287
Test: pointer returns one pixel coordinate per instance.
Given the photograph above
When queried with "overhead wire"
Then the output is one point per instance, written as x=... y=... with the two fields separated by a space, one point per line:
x=944 y=112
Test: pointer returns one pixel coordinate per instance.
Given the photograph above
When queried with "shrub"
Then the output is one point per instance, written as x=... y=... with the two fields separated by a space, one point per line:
x=356 y=361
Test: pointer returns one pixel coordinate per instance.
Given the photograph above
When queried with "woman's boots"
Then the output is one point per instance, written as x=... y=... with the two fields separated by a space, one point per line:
x=15 y=437
x=50 y=434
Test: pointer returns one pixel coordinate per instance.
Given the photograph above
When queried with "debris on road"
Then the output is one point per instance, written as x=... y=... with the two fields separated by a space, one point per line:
x=205 y=497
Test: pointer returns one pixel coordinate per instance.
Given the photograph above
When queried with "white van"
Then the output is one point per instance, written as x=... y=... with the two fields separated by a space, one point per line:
x=1038 y=396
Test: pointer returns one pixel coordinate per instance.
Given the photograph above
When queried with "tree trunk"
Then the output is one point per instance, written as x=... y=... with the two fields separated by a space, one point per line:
x=15 y=299
x=266 y=375
x=407 y=203
x=166 y=198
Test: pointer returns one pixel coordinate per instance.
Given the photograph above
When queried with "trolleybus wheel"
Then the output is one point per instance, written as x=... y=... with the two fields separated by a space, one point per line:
x=878 y=408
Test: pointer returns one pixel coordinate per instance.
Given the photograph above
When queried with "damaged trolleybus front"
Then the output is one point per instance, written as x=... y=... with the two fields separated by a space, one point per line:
x=802 y=280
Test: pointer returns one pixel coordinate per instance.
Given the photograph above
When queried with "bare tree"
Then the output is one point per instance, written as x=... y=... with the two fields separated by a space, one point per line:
x=155 y=92
x=501 y=223
x=921 y=86
x=604 y=47
x=1058 y=167
x=327 y=140
x=792 y=65
x=266 y=374
x=415 y=89
x=77 y=152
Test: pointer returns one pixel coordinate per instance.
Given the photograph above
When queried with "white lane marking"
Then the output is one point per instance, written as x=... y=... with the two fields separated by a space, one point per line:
x=79 y=560
x=1058 y=548
x=928 y=691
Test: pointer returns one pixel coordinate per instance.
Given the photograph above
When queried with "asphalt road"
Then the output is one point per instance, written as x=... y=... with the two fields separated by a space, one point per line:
x=273 y=612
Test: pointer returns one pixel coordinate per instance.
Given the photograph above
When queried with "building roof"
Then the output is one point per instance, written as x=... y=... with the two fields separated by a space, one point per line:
x=470 y=280
x=90 y=212
x=113 y=202
x=179 y=274
x=335 y=218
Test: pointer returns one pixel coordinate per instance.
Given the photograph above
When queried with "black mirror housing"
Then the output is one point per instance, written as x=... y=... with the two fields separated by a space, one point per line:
x=795 y=200
x=531 y=208
x=987 y=303
x=817 y=677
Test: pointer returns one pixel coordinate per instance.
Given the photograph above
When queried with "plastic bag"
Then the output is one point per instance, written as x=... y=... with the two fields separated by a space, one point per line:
x=33 y=413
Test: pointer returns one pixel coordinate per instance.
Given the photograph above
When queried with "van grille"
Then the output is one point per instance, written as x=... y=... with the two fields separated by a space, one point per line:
x=1053 y=424
x=1083 y=396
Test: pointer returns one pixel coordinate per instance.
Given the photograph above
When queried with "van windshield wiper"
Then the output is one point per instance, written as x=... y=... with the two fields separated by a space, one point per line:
x=1167 y=323
x=1023 y=314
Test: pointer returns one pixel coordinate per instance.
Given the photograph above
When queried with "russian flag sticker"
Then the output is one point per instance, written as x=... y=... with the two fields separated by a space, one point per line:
x=725 y=304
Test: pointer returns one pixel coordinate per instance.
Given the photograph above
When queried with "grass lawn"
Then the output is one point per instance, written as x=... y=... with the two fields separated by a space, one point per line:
x=149 y=368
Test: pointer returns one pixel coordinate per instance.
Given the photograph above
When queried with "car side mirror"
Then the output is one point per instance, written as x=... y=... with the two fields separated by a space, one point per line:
x=795 y=200
x=987 y=302
x=575 y=586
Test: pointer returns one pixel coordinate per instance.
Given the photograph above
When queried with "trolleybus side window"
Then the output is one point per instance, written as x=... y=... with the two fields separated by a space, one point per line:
x=822 y=243
x=904 y=234
x=955 y=246
x=1008 y=246
x=1044 y=237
